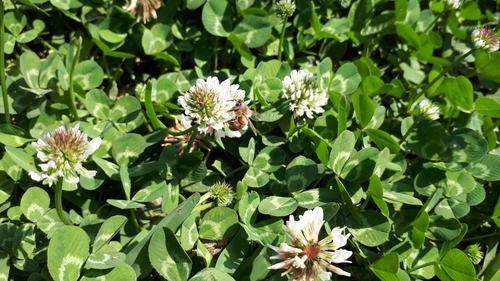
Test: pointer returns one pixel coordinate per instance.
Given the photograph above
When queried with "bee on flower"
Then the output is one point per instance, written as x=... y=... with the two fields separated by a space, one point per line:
x=308 y=257
x=63 y=152
x=211 y=105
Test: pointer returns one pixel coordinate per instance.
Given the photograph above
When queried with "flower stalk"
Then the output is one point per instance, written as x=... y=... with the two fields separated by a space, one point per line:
x=58 y=203
x=2 y=67
x=69 y=95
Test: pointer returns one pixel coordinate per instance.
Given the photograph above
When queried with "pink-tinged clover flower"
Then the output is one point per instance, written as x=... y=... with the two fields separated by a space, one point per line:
x=308 y=258
x=306 y=97
x=63 y=152
x=485 y=39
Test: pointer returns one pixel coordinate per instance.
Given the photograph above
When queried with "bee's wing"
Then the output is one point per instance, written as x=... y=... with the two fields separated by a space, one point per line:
x=257 y=116
x=252 y=126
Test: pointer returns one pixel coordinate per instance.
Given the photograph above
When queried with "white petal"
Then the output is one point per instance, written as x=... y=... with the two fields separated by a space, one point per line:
x=35 y=176
x=94 y=145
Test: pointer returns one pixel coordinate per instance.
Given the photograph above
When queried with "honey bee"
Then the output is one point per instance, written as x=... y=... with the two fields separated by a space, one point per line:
x=242 y=114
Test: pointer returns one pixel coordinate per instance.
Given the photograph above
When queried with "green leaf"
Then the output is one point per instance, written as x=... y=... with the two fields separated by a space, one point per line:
x=420 y=226
x=400 y=10
x=50 y=222
x=452 y=208
x=443 y=229
x=247 y=207
x=346 y=79
x=98 y=103
x=168 y=257
x=26 y=161
x=88 y=74
x=151 y=190
x=386 y=267
x=363 y=107
x=168 y=163
x=105 y=260
x=108 y=230
x=124 y=204
x=270 y=159
x=383 y=140
x=15 y=22
x=361 y=165
x=342 y=150
x=172 y=221
x=211 y=274
x=27 y=36
x=122 y=272
x=487 y=64
x=461 y=94
x=128 y=148
x=240 y=46
x=255 y=177
x=189 y=231
x=67 y=252
x=127 y=114
x=312 y=198
x=217 y=17
x=487 y=168
x=428 y=140
x=456 y=266
x=278 y=206
x=377 y=192
x=35 y=203
x=191 y=169
x=219 y=223
x=23 y=242
x=113 y=30
x=372 y=229
x=30 y=68
x=488 y=106
x=231 y=257
x=300 y=173
x=155 y=40
x=254 y=31
x=408 y=34
x=465 y=146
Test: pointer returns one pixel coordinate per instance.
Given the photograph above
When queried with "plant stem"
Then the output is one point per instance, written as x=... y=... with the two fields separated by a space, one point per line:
x=2 y=68
x=194 y=133
x=451 y=66
x=134 y=219
x=282 y=37
x=432 y=23
x=69 y=95
x=235 y=171
x=408 y=132
x=422 y=266
x=58 y=202
x=487 y=131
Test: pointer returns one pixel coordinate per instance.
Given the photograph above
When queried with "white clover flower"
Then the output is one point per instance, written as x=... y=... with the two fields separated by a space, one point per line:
x=485 y=39
x=307 y=258
x=302 y=89
x=143 y=8
x=285 y=8
x=63 y=152
x=428 y=110
x=210 y=104
x=453 y=4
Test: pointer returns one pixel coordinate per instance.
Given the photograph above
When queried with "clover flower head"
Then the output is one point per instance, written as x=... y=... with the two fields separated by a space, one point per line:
x=428 y=110
x=143 y=8
x=285 y=8
x=307 y=257
x=180 y=141
x=222 y=194
x=485 y=39
x=302 y=89
x=453 y=4
x=210 y=104
x=63 y=152
x=474 y=253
